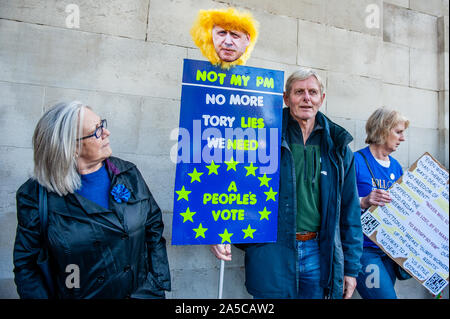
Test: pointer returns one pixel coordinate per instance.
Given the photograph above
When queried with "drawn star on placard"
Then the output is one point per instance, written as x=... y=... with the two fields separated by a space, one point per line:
x=212 y=168
x=195 y=176
x=226 y=236
x=200 y=231
x=187 y=215
x=264 y=180
x=270 y=195
x=250 y=169
x=248 y=232
x=264 y=214
x=231 y=164
x=183 y=194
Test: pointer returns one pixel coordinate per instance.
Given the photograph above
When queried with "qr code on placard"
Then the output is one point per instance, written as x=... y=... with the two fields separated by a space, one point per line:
x=435 y=284
x=369 y=223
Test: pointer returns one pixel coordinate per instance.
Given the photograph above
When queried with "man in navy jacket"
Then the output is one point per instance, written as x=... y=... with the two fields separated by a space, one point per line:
x=319 y=237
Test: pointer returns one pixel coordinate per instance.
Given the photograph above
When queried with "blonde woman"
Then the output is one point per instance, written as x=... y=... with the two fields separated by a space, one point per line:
x=104 y=229
x=376 y=171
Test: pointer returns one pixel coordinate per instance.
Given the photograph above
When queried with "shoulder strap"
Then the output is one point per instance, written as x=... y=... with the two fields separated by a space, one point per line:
x=43 y=211
x=368 y=166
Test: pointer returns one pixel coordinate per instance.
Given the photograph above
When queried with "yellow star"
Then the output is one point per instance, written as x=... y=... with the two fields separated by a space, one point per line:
x=264 y=214
x=187 y=215
x=200 y=231
x=270 y=195
x=183 y=194
x=231 y=164
x=248 y=232
x=250 y=169
x=195 y=176
x=226 y=236
x=264 y=180
x=212 y=168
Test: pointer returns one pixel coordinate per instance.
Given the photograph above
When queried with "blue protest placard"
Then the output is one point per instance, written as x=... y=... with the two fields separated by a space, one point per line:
x=227 y=175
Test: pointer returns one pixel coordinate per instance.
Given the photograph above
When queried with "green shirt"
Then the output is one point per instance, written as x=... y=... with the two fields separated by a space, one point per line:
x=307 y=173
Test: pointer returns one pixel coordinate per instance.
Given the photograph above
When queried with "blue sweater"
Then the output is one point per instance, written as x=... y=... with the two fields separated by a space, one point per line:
x=95 y=187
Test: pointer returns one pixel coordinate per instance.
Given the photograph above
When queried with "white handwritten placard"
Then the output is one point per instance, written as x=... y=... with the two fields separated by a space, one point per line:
x=413 y=229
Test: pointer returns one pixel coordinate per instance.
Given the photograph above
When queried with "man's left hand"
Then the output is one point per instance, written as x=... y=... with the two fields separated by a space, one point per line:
x=349 y=286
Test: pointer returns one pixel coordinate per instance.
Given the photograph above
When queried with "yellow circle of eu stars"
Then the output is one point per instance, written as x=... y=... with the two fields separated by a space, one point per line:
x=200 y=231
x=231 y=164
x=248 y=232
x=187 y=215
x=264 y=180
x=250 y=169
x=195 y=176
x=183 y=194
x=270 y=195
x=264 y=214
x=226 y=236
x=212 y=168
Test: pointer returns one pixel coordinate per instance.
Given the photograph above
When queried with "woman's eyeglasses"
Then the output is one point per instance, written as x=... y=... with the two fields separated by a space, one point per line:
x=98 y=131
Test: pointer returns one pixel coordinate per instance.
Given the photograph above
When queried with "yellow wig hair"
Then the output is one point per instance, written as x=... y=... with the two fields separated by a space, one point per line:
x=229 y=19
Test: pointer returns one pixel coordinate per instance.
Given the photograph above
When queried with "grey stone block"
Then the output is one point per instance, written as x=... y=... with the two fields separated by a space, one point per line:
x=170 y=21
x=16 y=168
x=424 y=140
x=123 y=113
x=396 y=65
x=400 y=3
x=353 y=97
x=114 y=17
x=303 y=9
x=435 y=7
x=8 y=221
x=203 y=283
x=424 y=72
x=364 y=16
x=409 y=28
x=21 y=108
x=419 y=106
x=277 y=39
x=70 y=59
x=8 y=289
x=339 y=50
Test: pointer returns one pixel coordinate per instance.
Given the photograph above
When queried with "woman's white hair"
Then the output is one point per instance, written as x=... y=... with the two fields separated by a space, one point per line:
x=55 y=147
x=302 y=74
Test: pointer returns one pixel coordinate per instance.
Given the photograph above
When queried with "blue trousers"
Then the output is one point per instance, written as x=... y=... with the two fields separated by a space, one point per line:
x=376 y=279
x=309 y=270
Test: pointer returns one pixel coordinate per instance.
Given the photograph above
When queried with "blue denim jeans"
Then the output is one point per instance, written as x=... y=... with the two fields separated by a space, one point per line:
x=309 y=270
x=376 y=279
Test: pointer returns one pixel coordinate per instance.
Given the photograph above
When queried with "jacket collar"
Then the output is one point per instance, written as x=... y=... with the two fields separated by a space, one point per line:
x=117 y=166
x=337 y=136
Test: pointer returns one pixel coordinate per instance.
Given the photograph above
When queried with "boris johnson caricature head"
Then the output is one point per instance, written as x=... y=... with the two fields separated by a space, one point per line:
x=225 y=37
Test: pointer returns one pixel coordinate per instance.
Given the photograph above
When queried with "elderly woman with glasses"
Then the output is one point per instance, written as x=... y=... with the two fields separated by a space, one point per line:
x=103 y=232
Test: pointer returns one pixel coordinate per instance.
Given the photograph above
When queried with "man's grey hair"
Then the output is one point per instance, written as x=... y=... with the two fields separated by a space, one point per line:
x=55 y=147
x=302 y=74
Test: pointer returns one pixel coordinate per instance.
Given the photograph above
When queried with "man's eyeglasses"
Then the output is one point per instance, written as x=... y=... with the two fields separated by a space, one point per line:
x=98 y=131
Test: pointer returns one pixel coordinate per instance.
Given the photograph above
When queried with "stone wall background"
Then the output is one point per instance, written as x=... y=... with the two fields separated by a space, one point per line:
x=126 y=59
